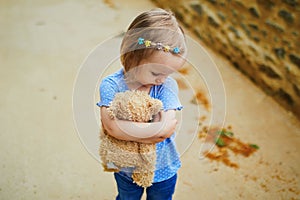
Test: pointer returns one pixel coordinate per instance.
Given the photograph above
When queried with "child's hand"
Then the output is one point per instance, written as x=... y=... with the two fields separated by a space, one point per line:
x=156 y=118
x=167 y=130
x=169 y=124
x=167 y=127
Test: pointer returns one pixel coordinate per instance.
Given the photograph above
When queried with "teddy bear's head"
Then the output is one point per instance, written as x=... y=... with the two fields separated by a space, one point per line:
x=135 y=106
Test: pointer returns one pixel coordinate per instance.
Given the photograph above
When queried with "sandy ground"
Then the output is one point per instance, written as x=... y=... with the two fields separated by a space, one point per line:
x=42 y=47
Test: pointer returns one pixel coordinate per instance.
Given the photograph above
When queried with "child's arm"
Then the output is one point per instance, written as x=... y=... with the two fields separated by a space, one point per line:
x=140 y=132
x=164 y=118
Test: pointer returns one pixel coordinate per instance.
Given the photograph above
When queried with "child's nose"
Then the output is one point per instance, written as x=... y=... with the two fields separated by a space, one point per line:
x=160 y=80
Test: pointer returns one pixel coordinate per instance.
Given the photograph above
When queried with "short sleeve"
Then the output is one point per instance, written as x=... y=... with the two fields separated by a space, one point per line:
x=107 y=91
x=168 y=94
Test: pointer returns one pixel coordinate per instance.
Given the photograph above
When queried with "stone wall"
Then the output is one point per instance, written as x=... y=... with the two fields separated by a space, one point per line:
x=260 y=37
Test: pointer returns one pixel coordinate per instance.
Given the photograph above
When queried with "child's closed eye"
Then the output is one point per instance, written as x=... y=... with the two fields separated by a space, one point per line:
x=154 y=74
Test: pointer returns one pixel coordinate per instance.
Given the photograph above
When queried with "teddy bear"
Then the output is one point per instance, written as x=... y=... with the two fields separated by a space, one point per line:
x=117 y=155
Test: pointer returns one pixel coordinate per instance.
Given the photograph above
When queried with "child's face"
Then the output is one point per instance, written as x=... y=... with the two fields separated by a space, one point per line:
x=155 y=69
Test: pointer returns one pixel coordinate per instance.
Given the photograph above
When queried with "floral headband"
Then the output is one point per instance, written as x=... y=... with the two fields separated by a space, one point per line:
x=158 y=46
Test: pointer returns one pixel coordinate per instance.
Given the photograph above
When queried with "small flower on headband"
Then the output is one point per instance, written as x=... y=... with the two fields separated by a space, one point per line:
x=166 y=48
x=159 y=46
x=141 y=41
x=147 y=43
x=176 y=50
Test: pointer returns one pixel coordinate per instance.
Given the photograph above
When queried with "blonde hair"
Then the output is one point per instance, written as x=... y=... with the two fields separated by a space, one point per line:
x=156 y=25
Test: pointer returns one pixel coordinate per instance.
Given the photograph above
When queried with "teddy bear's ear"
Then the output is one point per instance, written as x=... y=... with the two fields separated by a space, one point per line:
x=149 y=104
x=156 y=106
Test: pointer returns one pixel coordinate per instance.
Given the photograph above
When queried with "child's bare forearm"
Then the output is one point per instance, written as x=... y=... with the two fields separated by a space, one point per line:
x=140 y=132
x=137 y=131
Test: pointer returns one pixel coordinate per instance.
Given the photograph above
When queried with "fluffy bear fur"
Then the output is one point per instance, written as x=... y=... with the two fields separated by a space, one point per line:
x=115 y=154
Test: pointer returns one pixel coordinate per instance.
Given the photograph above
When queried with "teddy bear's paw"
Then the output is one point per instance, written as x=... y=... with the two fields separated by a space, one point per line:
x=143 y=179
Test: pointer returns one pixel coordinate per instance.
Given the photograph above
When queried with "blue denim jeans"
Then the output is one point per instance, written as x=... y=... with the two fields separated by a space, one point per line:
x=130 y=191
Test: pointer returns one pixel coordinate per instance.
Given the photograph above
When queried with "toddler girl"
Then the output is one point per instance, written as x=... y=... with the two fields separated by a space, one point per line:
x=152 y=49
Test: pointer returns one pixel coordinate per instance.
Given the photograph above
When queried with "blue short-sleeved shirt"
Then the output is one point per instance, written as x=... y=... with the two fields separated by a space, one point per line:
x=167 y=161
